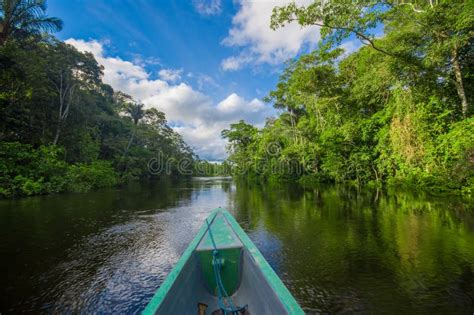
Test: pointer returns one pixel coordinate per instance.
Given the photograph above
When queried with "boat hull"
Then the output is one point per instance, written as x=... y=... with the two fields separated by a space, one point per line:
x=248 y=277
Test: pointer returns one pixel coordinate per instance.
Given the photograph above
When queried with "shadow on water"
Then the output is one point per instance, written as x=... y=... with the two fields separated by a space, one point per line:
x=337 y=249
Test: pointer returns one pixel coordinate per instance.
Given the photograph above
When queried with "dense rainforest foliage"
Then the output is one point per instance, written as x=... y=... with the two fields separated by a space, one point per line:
x=397 y=111
x=61 y=127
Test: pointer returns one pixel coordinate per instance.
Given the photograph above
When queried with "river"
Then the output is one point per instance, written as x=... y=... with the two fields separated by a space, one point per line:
x=337 y=249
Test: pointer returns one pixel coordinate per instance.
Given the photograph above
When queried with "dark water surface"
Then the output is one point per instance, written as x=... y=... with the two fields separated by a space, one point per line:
x=337 y=250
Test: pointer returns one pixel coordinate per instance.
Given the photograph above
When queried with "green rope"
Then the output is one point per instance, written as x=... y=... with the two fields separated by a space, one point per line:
x=222 y=295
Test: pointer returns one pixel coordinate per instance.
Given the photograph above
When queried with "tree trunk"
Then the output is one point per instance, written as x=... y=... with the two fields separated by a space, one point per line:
x=3 y=33
x=66 y=93
x=459 y=82
x=130 y=142
x=58 y=131
x=3 y=38
x=293 y=127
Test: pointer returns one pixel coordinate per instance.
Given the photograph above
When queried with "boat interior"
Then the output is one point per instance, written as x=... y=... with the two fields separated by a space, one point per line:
x=194 y=292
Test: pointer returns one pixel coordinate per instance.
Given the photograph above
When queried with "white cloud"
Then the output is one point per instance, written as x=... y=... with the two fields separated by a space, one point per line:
x=236 y=62
x=120 y=74
x=203 y=81
x=351 y=46
x=148 y=61
x=234 y=103
x=214 y=119
x=251 y=31
x=170 y=75
x=208 y=7
x=196 y=116
x=93 y=46
x=231 y=64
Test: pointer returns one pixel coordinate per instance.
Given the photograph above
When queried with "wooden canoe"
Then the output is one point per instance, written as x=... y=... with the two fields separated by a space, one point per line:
x=249 y=284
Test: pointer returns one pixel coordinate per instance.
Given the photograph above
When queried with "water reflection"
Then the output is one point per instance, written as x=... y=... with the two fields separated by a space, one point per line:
x=337 y=249
x=349 y=251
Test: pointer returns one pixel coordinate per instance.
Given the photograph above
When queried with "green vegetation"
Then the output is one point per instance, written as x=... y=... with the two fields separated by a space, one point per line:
x=61 y=127
x=397 y=111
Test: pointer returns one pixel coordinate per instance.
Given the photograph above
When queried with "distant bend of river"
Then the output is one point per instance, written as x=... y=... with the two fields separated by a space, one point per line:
x=338 y=250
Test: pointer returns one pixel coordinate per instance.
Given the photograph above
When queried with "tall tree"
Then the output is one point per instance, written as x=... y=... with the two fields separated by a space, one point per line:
x=70 y=71
x=432 y=35
x=240 y=134
x=136 y=112
x=22 y=18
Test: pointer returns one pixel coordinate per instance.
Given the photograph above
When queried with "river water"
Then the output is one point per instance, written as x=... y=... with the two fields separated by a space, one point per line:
x=337 y=249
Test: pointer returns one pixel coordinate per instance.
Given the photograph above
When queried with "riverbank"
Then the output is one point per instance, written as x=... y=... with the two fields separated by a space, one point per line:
x=63 y=129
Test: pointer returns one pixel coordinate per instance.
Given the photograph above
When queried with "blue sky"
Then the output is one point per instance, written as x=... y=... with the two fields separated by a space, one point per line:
x=205 y=63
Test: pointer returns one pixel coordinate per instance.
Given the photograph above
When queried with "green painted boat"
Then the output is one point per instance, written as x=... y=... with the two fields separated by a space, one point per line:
x=222 y=272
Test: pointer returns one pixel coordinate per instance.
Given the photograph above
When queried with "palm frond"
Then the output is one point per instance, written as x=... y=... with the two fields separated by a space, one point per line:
x=27 y=17
x=46 y=24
